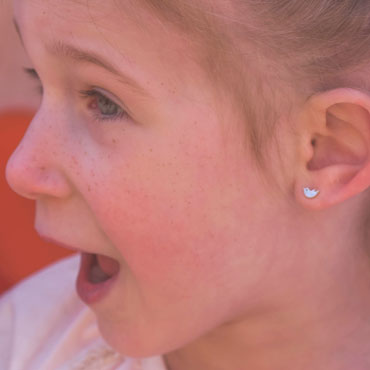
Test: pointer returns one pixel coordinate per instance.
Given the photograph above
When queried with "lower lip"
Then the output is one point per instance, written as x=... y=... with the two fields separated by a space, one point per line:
x=88 y=292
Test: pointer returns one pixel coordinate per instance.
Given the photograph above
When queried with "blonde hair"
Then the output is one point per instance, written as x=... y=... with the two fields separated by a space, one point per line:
x=265 y=52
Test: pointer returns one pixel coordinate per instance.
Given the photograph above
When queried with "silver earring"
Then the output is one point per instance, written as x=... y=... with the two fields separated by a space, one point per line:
x=310 y=193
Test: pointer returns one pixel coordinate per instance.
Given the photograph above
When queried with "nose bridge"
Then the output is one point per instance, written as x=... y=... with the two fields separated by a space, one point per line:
x=34 y=168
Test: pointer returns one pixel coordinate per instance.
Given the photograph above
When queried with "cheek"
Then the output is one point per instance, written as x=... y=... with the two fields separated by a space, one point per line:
x=163 y=217
x=161 y=230
x=173 y=206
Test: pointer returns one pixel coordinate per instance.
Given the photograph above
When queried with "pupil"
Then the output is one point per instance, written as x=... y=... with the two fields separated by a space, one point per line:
x=106 y=106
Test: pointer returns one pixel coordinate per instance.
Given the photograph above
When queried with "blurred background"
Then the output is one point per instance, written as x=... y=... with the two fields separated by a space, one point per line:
x=22 y=252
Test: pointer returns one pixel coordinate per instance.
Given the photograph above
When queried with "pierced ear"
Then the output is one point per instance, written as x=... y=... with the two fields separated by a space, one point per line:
x=335 y=148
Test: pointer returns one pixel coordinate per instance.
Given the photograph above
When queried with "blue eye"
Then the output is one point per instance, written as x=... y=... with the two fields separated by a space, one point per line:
x=103 y=107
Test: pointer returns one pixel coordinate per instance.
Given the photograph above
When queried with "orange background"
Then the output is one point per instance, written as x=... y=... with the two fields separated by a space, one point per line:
x=21 y=250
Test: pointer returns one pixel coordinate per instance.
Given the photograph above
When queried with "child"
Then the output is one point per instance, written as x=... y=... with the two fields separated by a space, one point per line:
x=211 y=162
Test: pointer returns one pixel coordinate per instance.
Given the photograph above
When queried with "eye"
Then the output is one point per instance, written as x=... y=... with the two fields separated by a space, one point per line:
x=103 y=108
x=31 y=72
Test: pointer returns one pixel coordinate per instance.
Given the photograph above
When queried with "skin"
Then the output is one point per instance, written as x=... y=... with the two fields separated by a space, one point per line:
x=218 y=269
x=16 y=89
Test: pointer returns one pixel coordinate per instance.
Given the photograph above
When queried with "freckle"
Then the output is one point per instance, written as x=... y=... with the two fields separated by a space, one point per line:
x=88 y=188
x=114 y=141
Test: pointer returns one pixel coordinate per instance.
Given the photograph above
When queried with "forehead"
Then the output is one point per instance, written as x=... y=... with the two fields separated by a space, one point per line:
x=118 y=29
x=95 y=17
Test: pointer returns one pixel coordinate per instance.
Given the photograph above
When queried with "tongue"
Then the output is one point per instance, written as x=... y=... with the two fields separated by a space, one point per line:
x=108 y=265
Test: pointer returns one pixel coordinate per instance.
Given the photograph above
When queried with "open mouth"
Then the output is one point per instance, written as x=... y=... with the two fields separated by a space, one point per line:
x=96 y=277
x=102 y=268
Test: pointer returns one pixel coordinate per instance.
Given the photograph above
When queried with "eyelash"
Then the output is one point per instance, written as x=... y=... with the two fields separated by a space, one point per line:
x=119 y=113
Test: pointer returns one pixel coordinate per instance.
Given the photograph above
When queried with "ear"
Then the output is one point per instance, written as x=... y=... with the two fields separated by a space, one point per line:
x=334 y=147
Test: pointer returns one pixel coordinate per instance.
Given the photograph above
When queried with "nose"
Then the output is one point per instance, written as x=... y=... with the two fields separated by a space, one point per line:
x=34 y=169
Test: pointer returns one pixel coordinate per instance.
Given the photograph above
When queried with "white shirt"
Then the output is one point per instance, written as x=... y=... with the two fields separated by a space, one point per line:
x=45 y=326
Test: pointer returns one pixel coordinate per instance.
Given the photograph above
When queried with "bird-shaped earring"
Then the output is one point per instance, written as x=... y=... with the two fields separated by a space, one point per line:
x=310 y=193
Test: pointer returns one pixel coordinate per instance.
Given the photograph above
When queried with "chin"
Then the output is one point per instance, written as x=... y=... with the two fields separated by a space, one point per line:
x=136 y=343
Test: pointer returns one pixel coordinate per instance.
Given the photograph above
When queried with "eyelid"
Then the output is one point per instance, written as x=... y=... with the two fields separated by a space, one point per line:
x=99 y=117
x=95 y=92
x=32 y=73
x=107 y=95
x=113 y=98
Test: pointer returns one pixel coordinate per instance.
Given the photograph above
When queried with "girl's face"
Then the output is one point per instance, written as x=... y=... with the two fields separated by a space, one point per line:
x=131 y=155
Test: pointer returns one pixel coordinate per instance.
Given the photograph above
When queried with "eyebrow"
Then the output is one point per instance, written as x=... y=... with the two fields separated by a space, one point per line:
x=62 y=50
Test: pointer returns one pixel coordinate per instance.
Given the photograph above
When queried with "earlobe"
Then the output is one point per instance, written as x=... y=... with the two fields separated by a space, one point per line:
x=335 y=158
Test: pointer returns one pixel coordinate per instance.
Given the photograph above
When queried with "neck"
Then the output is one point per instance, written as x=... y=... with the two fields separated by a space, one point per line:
x=321 y=324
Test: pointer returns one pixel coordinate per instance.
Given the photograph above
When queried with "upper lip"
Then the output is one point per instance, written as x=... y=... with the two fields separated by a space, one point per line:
x=50 y=239
x=61 y=244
